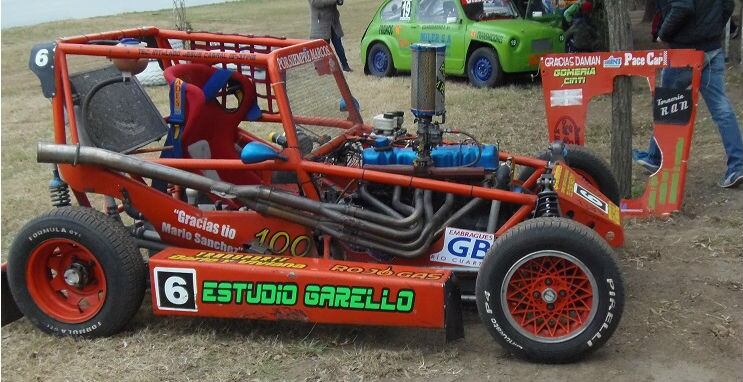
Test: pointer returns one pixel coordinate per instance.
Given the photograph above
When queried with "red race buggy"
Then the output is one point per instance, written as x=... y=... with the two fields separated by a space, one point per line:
x=329 y=221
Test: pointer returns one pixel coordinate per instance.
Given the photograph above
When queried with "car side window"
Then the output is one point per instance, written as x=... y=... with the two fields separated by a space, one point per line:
x=437 y=11
x=392 y=11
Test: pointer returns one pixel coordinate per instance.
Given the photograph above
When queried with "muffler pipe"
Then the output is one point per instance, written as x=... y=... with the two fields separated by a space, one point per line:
x=76 y=154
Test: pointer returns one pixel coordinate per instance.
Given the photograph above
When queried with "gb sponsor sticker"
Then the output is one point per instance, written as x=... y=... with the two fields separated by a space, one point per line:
x=464 y=247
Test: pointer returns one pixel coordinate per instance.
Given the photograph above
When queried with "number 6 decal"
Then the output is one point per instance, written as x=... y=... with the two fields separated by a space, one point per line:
x=41 y=63
x=175 y=289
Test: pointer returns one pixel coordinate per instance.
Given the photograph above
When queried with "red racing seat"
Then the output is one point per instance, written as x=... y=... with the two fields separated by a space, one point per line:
x=204 y=128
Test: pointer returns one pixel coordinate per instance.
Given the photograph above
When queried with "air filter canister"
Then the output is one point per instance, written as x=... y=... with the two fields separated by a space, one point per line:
x=427 y=80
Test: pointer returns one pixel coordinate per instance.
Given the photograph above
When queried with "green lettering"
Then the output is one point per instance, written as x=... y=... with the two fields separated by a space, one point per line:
x=268 y=294
x=405 y=300
x=341 y=298
x=311 y=295
x=239 y=291
x=326 y=295
x=252 y=296
x=370 y=303
x=357 y=297
x=224 y=293
x=290 y=294
x=207 y=291
x=385 y=304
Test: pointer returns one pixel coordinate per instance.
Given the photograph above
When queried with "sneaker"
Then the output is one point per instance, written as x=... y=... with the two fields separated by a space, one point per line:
x=347 y=69
x=643 y=159
x=733 y=180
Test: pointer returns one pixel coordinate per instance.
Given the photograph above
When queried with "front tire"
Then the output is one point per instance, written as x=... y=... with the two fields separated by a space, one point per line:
x=549 y=291
x=483 y=68
x=379 y=60
x=76 y=272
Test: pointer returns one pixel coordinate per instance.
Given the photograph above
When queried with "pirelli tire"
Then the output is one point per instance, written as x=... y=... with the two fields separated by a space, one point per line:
x=549 y=291
x=76 y=272
x=591 y=167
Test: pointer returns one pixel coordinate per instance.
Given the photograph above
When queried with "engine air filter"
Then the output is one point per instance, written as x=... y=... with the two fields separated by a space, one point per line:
x=427 y=80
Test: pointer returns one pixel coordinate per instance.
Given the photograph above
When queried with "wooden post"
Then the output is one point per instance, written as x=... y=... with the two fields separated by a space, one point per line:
x=620 y=38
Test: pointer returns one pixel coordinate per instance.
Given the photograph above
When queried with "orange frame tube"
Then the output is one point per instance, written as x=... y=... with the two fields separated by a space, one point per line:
x=305 y=168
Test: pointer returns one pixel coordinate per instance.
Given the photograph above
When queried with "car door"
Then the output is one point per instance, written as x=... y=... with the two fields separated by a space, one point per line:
x=441 y=21
x=405 y=32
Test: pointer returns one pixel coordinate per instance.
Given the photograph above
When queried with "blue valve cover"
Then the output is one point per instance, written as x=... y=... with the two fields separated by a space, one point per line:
x=443 y=156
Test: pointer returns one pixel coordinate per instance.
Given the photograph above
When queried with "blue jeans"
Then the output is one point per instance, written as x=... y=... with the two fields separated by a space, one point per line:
x=713 y=91
x=338 y=46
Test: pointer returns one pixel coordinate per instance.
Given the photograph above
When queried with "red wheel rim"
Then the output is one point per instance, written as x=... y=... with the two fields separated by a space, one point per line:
x=549 y=296
x=71 y=303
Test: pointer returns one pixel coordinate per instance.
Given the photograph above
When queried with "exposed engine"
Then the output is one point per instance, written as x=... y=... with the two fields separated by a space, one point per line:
x=429 y=154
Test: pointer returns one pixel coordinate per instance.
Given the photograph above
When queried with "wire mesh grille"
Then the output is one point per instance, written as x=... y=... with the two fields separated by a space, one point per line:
x=266 y=99
x=315 y=99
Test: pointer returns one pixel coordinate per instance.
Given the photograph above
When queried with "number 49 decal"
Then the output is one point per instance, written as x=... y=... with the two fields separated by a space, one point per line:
x=175 y=289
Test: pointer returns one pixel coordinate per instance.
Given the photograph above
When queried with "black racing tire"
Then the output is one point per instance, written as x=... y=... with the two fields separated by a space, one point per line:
x=483 y=68
x=543 y=260
x=94 y=249
x=379 y=61
x=592 y=167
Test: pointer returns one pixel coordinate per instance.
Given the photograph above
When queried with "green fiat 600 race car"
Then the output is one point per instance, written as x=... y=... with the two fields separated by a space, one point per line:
x=485 y=39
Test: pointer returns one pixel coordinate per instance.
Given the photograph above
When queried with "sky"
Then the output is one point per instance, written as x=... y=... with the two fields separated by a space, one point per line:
x=30 y=12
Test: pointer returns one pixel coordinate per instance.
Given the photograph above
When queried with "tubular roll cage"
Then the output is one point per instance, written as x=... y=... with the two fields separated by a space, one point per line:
x=262 y=52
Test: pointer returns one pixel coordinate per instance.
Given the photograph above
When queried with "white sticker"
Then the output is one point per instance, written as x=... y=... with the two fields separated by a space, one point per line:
x=566 y=97
x=593 y=199
x=405 y=10
x=464 y=247
x=175 y=289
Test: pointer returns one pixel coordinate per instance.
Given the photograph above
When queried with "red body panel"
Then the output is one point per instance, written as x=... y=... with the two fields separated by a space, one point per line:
x=570 y=81
x=313 y=290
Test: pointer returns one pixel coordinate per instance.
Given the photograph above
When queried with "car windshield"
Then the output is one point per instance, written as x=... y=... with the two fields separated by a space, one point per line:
x=481 y=10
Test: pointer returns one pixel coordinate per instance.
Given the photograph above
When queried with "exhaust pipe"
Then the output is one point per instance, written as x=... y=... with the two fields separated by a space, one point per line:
x=405 y=243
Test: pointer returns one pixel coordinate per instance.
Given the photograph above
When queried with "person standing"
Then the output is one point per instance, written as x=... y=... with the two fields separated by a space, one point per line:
x=325 y=23
x=582 y=34
x=699 y=24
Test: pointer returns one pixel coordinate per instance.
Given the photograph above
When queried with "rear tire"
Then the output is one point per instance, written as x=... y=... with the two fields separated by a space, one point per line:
x=379 y=60
x=483 y=68
x=590 y=166
x=550 y=291
x=76 y=272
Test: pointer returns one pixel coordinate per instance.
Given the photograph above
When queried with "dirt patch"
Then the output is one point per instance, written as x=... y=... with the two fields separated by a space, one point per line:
x=684 y=279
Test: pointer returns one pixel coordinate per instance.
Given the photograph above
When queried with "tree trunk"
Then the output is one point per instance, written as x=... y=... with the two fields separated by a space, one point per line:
x=620 y=38
x=649 y=11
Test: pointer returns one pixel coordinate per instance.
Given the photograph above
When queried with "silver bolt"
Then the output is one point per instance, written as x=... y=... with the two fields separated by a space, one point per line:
x=549 y=296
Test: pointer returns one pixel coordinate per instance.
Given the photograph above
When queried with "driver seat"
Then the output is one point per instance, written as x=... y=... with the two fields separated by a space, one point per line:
x=203 y=128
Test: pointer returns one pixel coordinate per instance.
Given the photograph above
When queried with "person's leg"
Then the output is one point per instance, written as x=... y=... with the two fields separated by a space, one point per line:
x=338 y=46
x=713 y=91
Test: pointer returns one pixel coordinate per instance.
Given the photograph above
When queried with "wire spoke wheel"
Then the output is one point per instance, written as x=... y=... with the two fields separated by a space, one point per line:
x=550 y=291
x=549 y=296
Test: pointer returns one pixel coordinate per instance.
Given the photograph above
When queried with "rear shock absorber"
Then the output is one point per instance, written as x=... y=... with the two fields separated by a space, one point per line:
x=547 y=201
x=58 y=190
